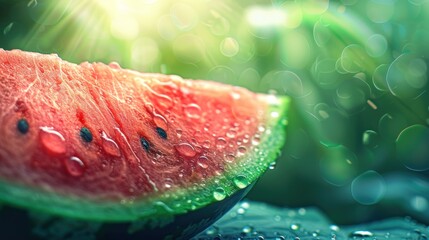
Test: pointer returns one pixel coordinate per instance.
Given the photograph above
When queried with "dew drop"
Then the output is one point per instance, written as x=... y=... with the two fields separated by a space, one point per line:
x=221 y=143
x=241 y=181
x=52 y=141
x=361 y=234
x=334 y=228
x=212 y=230
x=295 y=226
x=203 y=162
x=241 y=211
x=86 y=134
x=110 y=146
x=219 y=194
x=192 y=111
x=247 y=229
x=75 y=166
x=272 y=166
x=185 y=149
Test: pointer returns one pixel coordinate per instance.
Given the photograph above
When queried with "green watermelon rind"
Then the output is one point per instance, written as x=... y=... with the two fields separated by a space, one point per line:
x=170 y=203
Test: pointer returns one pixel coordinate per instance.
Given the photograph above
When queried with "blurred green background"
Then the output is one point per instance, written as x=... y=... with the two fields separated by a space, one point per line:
x=358 y=137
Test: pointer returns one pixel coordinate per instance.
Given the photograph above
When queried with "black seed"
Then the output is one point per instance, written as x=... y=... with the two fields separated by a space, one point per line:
x=161 y=132
x=145 y=143
x=86 y=134
x=22 y=126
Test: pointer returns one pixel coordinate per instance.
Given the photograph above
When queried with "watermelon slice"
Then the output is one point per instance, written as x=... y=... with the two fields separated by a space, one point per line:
x=96 y=142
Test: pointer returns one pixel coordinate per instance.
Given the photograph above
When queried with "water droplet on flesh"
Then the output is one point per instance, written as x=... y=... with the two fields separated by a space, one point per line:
x=186 y=149
x=160 y=121
x=295 y=227
x=203 y=162
x=109 y=145
x=52 y=141
x=75 y=166
x=221 y=143
x=192 y=111
x=229 y=157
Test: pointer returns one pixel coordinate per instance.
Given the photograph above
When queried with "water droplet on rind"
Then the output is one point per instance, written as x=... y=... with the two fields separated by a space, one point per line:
x=241 y=181
x=52 y=141
x=219 y=194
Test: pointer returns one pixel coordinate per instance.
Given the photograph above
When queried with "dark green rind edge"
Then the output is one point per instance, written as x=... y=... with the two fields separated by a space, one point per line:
x=171 y=203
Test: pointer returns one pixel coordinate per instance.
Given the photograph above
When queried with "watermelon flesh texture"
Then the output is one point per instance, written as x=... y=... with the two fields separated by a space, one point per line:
x=97 y=142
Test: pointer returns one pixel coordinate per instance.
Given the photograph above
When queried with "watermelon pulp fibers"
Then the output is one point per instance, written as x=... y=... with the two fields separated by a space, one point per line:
x=97 y=142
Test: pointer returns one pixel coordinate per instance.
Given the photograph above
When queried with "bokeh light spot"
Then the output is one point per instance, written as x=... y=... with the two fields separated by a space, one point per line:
x=229 y=47
x=407 y=76
x=380 y=11
x=412 y=147
x=368 y=188
x=376 y=45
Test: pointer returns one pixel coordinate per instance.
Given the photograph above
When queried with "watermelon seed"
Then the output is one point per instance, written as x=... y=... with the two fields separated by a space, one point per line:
x=161 y=132
x=145 y=144
x=75 y=166
x=110 y=146
x=23 y=126
x=206 y=144
x=186 y=149
x=86 y=134
x=52 y=141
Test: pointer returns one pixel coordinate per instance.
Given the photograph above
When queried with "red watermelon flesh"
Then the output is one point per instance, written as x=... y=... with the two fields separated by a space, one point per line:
x=101 y=134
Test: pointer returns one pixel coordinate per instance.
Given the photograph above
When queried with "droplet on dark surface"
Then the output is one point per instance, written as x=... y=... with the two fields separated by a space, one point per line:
x=86 y=134
x=161 y=132
x=23 y=126
x=145 y=144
